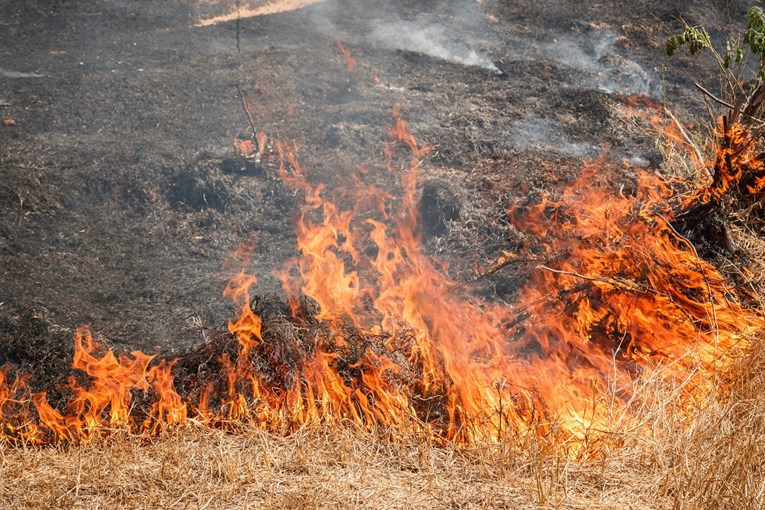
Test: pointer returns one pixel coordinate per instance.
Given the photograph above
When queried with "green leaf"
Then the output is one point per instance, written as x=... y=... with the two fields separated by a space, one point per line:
x=672 y=44
x=696 y=38
x=755 y=32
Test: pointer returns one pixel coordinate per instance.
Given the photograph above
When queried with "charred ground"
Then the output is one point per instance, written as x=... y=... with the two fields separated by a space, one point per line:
x=122 y=195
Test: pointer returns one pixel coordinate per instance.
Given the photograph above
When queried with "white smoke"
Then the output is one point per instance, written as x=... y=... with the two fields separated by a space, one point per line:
x=535 y=133
x=449 y=35
x=431 y=40
x=597 y=57
x=7 y=73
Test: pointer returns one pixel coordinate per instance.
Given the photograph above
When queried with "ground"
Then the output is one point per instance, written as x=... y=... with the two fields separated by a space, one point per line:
x=122 y=195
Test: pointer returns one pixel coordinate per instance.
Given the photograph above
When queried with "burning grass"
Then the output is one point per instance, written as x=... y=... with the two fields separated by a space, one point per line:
x=375 y=333
x=664 y=456
x=626 y=359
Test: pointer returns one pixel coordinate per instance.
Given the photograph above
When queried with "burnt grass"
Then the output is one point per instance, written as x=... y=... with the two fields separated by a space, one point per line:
x=121 y=194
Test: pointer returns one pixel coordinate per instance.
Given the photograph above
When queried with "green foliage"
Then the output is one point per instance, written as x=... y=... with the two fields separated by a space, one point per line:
x=734 y=52
x=697 y=39
x=755 y=36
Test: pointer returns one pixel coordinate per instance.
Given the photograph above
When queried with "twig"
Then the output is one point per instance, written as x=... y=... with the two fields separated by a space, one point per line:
x=713 y=97
x=724 y=103
x=614 y=282
x=246 y=110
x=497 y=267
x=688 y=141
x=238 y=15
x=18 y=217
x=79 y=476
x=601 y=279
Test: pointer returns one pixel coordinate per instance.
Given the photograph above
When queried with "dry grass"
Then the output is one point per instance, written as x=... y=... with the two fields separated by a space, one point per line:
x=711 y=456
x=665 y=456
x=709 y=452
x=209 y=469
x=260 y=10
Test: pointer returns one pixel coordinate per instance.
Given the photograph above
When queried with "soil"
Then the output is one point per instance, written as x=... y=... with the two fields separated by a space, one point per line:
x=122 y=194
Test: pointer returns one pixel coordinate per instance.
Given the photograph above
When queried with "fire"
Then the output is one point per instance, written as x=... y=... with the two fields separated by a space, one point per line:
x=245 y=147
x=738 y=164
x=262 y=139
x=104 y=405
x=623 y=289
x=349 y=60
x=388 y=341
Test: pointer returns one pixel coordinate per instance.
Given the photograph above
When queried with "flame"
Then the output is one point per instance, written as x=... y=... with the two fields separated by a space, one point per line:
x=738 y=164
x=621 y=288
x=245 y=147
x=169 y=409
x=377 y=335
x=262 y=139
x=349 y=60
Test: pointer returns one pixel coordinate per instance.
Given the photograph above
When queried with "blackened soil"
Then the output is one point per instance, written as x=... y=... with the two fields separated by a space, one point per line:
x=121 y=194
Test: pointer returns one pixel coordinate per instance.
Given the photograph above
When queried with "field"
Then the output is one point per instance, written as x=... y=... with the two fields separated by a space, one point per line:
x=309 y=254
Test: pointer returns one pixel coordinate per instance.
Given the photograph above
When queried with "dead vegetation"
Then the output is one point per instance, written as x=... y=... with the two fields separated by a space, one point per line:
x=708 y=455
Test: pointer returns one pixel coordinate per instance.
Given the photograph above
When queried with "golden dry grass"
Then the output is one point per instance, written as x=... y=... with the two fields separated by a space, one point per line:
x=209 y=469
x=260 y=9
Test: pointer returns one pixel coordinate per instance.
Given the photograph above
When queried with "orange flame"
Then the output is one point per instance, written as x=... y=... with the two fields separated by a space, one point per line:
x=395 y=343
x=349 y=61
x=262 y=138
x=244 y=147
x=738 y=152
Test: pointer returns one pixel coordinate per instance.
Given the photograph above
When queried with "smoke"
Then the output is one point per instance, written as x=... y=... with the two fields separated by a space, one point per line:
x=449 y=34
x=535 y=133
x=7 y=73
x=429 y=40
x=601 y=63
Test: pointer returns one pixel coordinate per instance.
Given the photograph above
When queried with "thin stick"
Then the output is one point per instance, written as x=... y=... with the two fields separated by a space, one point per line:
x=617 y=283
x=601 y=279
x=498 y=267
x=688 y=141
x=19 y=217
x=246 y=110
x=713 y=97
x=725 y=103
x=238 y=16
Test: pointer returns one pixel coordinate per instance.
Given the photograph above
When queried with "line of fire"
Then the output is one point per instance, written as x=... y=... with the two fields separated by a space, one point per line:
x=373 y=332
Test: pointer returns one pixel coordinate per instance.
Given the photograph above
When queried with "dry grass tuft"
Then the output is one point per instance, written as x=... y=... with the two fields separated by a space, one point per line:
x=683 y=448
